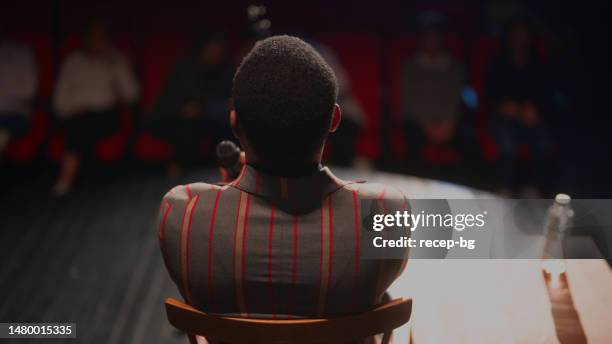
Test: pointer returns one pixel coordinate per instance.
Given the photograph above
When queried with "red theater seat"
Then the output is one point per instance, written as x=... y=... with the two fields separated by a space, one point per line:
x=360 y=56
x=484 y=50
x=151 y=149
x=401 y=48
x=25 y=148
x=160 y=53
x=112 y=148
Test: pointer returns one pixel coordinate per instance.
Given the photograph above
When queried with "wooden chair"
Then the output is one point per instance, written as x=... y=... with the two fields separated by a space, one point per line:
x=234 y=330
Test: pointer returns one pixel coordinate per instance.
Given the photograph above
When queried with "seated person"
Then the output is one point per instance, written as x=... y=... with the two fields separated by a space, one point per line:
x=280 y=240
x=257 y=29
x=431 y=84
x=18 y=81
x=92 y=83
x=195 y=100
x=343 y=142
x=516 y=89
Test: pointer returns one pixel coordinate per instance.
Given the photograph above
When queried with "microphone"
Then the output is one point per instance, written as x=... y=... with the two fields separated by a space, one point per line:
x=228 y=156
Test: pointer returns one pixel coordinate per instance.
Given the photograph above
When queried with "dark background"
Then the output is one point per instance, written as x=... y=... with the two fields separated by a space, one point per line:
x=579 y=29
x=92 y=257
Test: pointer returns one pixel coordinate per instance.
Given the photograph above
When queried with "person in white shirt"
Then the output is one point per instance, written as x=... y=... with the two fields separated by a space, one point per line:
x=93 y=82
x=18 y=81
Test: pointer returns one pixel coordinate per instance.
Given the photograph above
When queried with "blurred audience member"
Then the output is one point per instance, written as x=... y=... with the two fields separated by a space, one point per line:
x=93 y=82
x=194 y=102
x=18 y=80
x=259 y=28
x=343 y=142
x=498 y=13
x=431 y=84
x=516 y=90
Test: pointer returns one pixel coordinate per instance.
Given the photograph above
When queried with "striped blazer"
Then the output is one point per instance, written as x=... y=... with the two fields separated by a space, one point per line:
x=273 y=247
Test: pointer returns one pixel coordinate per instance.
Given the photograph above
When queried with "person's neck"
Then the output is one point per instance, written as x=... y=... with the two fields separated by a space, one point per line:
x=283 y=168
x=289 y=171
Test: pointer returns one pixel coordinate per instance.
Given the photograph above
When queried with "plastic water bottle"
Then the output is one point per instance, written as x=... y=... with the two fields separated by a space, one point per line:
x=556 y=229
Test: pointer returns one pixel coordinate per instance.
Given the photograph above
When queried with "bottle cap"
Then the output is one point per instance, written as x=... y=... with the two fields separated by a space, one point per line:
x=563 y=199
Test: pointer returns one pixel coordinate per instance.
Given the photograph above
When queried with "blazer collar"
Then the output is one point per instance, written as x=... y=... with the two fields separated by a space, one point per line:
x=316 y=185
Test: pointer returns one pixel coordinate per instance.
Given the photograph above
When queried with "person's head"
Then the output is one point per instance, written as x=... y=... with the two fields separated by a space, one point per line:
x=431 y=42
x=211 y=49
x=97 y=37
x=518 y=36
x=284 y=97
x=431 y=26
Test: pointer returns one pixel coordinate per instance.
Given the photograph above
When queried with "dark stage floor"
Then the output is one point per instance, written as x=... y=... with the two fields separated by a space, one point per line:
x=90 y=258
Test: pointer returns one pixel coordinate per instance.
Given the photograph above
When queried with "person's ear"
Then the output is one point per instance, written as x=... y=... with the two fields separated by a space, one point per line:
x=234 y=124
x=336 y=119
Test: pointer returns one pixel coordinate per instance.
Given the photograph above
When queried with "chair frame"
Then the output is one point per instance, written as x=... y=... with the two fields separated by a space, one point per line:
x=382 y=319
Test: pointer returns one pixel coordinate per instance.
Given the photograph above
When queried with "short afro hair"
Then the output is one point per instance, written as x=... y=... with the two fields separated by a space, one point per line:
x=284 y=95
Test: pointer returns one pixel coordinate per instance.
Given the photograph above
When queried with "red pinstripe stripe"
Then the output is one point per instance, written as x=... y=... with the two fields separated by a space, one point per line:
x=180 y=253
x=270 y=237
x=210 y=245
x=162 y=226
x=235 y=235
x=293 y=264
x=357 y=246
x=385 y=234
x=187 y=286
x=240 y=176
x=331 y=243
x=382 y=193
x=244 y=235
x=321 y=255
x=188 y=189
x=381 y=197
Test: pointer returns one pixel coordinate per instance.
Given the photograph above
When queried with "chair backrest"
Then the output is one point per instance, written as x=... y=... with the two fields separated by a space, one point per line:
x=234 y=330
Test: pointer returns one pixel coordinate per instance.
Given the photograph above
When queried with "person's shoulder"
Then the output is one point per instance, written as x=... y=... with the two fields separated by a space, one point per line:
x=369 y=190
x=18 y=49
x=378 y=197
x=74 y=58
x=184 y=193
x=120 y=57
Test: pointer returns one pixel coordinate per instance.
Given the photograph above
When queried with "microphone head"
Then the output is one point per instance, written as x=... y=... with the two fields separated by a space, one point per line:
x=228 y=154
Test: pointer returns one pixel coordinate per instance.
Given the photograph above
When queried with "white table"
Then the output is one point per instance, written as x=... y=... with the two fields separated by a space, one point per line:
x=491 y=301
x=499 y=301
